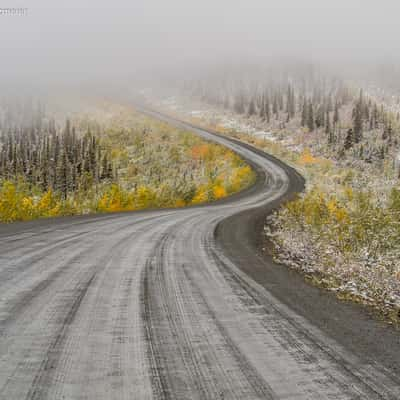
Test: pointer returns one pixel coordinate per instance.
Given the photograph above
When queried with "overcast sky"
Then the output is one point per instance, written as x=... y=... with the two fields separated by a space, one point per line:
x=73 y=39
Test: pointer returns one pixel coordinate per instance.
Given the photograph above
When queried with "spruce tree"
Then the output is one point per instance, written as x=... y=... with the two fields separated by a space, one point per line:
x=275 y=105
x=358 y=123
x=62 y=174
x=252 y=107
x=239 y=103
x=336 y=117
x=349 y=140
x=262 y=108
x=328 y=129
x=304 y=113
x=310 y=117
x=267 y=108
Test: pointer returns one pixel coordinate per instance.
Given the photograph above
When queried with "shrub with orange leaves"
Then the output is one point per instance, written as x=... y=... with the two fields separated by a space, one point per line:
x=307 y=158
x=200 y=151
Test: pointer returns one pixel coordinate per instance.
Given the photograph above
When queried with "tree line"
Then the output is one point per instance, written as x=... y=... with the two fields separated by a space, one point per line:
x=344 y=117
x=51 y=157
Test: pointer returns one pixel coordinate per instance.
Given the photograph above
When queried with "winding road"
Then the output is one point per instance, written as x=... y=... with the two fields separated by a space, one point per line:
x=180 y=304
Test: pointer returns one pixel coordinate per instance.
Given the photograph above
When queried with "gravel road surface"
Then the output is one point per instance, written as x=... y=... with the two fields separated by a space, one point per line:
x=180 y=304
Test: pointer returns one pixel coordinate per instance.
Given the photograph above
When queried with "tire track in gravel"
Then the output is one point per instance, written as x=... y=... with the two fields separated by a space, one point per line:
x=41 y=381
x=20 y=231
x=111 y=316
x=175 y=305
x=24 y=298
x=61 y=307
x=163 y=330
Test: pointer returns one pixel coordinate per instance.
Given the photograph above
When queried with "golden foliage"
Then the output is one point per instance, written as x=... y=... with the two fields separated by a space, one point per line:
x=17 y=203
x=157 y=166
x=307 y=158
x=219 y=192
x=200 y=196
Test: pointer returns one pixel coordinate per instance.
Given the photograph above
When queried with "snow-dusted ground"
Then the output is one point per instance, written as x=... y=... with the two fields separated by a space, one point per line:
x=376 y=284
x=223 y=119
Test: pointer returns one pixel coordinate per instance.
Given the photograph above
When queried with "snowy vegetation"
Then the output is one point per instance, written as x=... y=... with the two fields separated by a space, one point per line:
x=344 y=231
x=108 y=159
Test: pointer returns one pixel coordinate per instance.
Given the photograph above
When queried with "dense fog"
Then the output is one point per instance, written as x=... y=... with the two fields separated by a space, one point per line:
x=78 y=41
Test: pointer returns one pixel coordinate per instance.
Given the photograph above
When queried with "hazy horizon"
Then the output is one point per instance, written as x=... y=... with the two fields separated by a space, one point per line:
x=115 y=41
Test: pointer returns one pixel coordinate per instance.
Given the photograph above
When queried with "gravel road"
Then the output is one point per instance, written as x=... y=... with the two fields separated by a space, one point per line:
x=180 y=304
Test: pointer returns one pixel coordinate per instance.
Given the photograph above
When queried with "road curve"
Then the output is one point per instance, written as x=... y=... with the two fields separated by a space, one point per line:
x=162 y=304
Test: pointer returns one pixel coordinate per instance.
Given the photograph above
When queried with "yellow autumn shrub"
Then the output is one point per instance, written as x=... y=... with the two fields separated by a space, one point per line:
x=240 y=178
x=219 y=191
x=115 y=199
x=179 y=203
x=8 y=202
x=201 y=195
